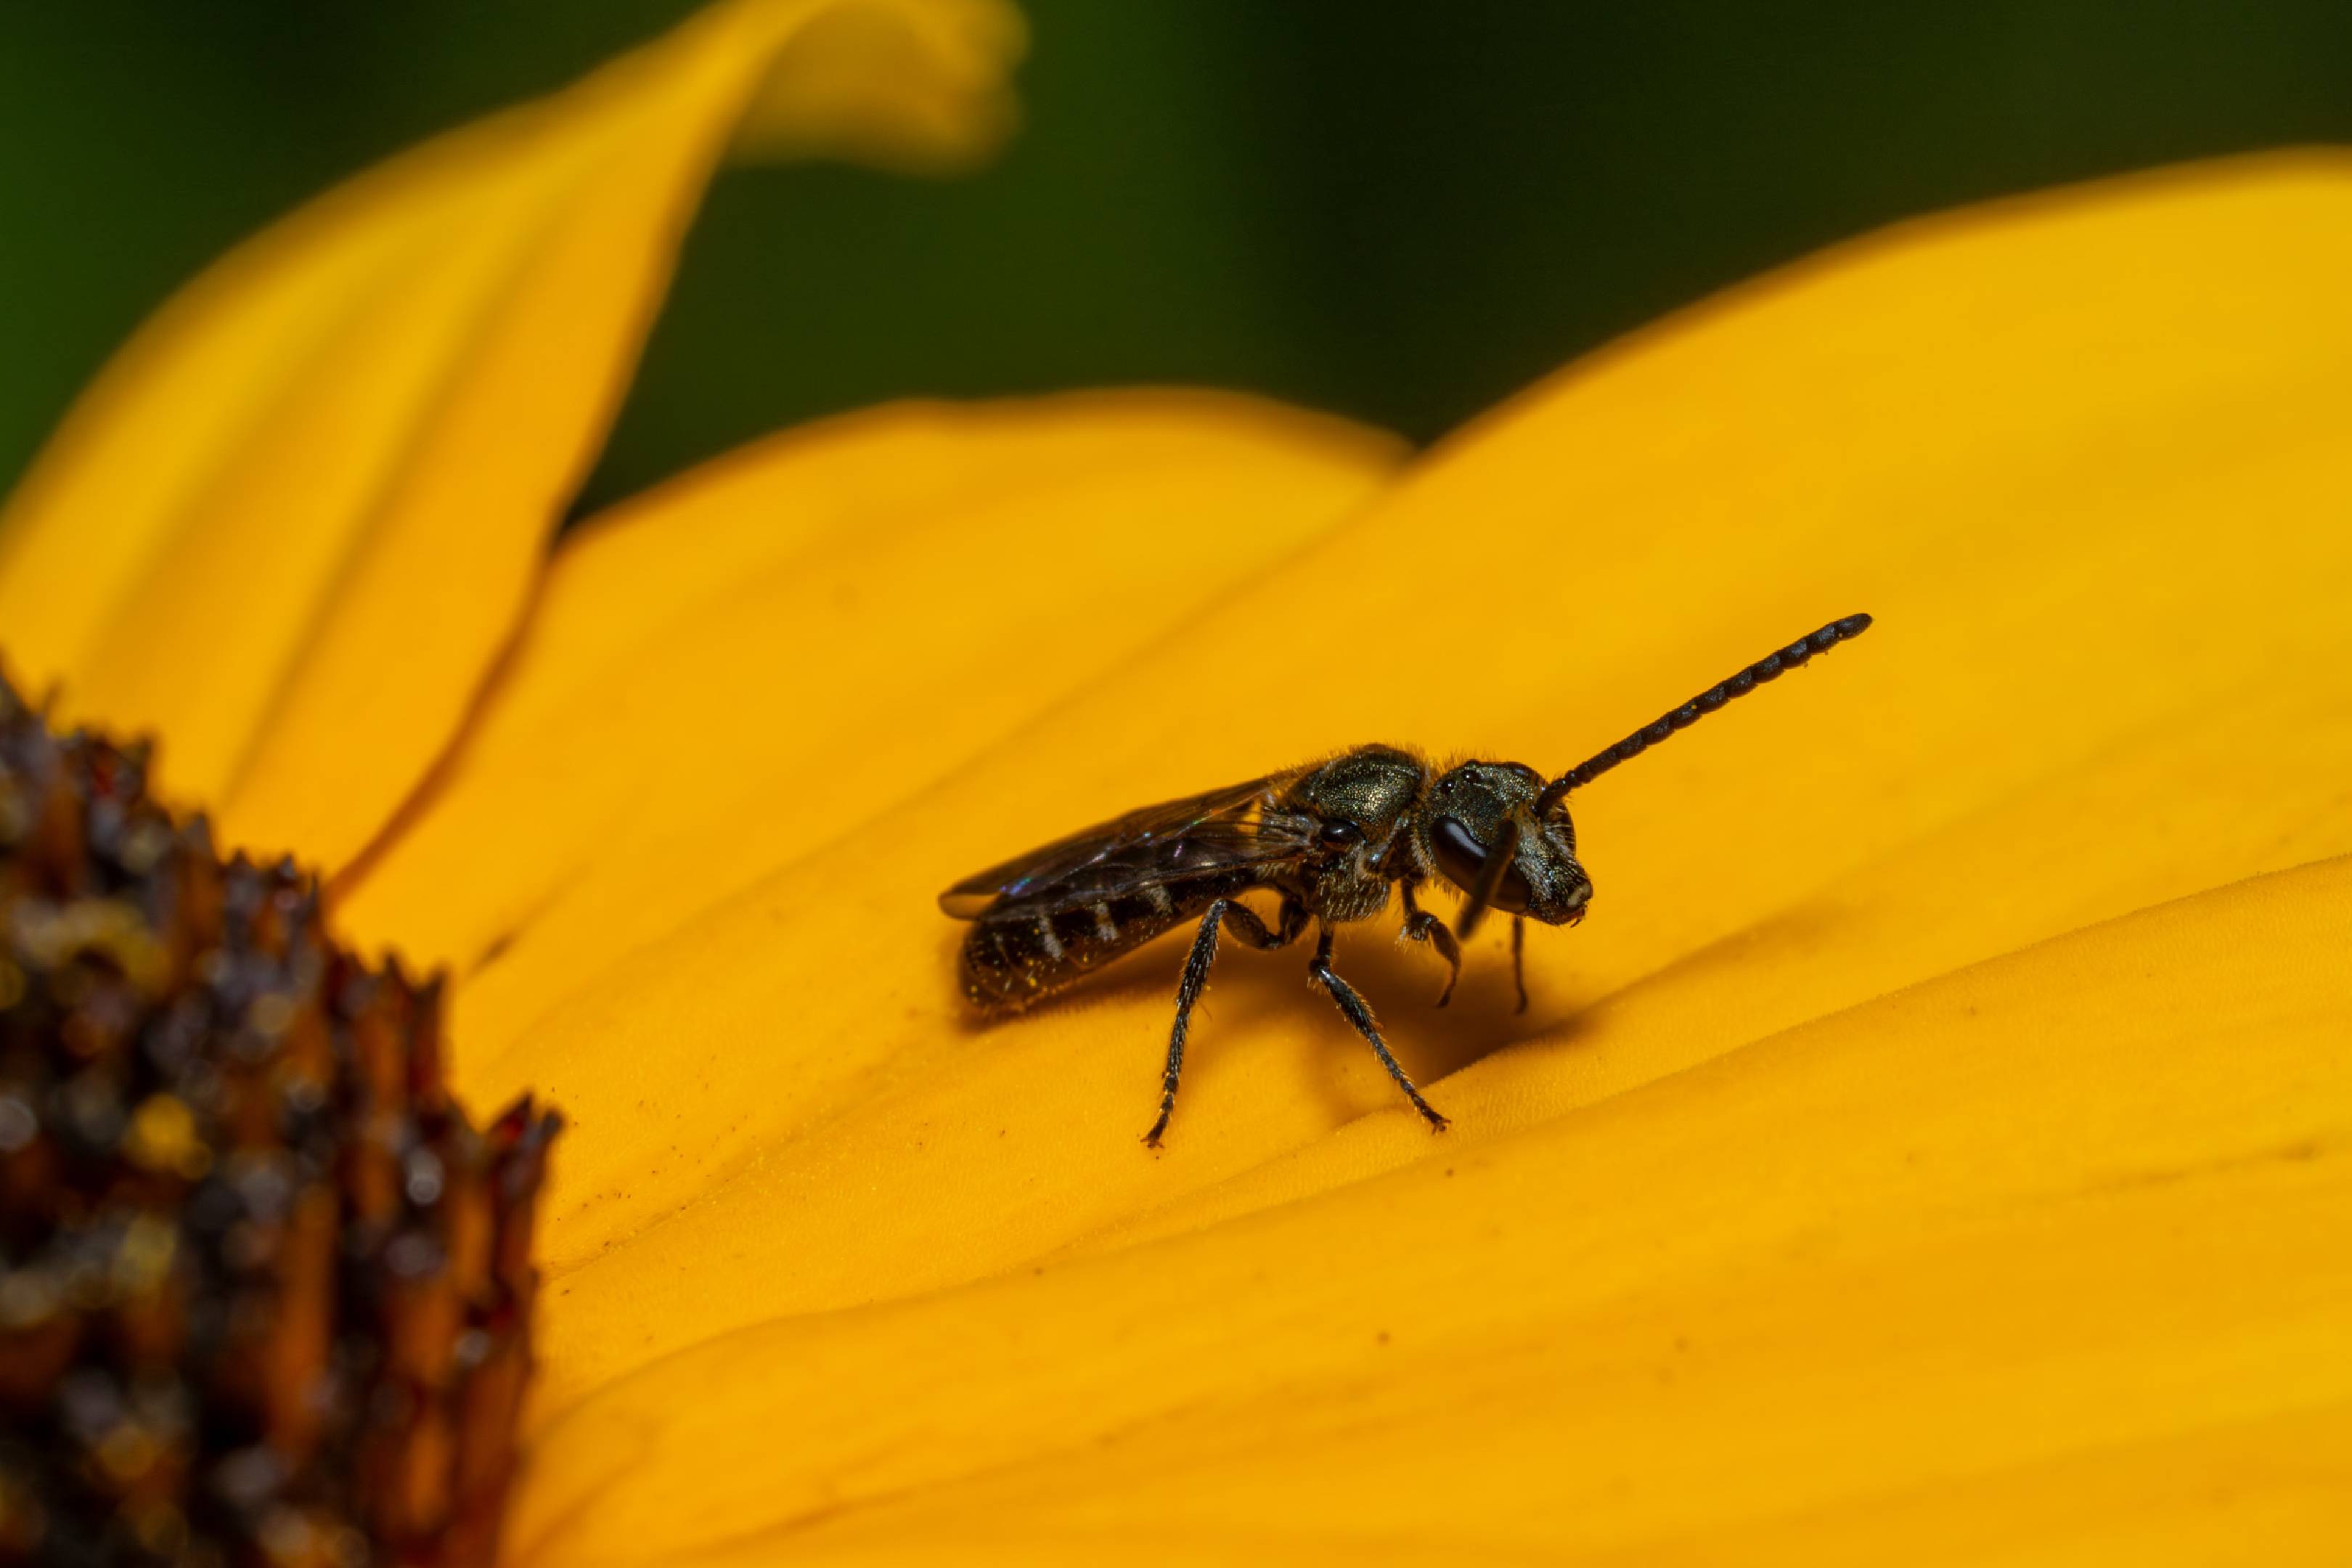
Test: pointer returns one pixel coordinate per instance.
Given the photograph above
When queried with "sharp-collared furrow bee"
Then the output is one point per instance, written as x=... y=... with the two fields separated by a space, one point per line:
x=1329 y=839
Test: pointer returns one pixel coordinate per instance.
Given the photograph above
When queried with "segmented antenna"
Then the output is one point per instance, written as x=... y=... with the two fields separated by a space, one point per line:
x=1698 y=707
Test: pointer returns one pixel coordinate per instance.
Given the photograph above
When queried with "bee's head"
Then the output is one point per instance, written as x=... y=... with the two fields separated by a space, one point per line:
x=1483 y=812
x=1477 y=806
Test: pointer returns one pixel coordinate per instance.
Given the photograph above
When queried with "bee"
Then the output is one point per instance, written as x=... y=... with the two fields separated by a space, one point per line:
x=1328 y=840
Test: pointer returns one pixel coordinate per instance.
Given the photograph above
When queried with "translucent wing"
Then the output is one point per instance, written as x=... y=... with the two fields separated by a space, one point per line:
x=1148 y=846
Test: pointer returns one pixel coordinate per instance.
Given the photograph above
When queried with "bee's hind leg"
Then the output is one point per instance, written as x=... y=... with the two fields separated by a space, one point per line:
x=1244 y=922
x=1348 y=1002
x=1420 y=925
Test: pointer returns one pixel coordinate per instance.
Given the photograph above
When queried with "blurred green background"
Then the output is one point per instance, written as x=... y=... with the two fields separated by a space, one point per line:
x=1401 y=212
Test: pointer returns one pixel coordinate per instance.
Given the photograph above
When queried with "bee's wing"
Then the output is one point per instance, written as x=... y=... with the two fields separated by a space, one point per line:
x=1154 y=844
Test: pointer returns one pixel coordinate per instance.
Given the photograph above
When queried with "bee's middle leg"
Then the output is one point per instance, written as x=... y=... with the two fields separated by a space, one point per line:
x=1344 y=996
x=1244 y=922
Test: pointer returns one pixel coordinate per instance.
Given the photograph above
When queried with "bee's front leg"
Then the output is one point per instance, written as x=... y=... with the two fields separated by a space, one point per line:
x=1420 y=925
x=1518 y=958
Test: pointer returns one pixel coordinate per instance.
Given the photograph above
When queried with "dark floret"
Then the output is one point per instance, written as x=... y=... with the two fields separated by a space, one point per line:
x=265 y=1290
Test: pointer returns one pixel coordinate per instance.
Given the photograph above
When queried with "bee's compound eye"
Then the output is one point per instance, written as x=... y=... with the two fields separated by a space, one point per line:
x=1338 y=832
x=1459 y=855
x=1462 y=858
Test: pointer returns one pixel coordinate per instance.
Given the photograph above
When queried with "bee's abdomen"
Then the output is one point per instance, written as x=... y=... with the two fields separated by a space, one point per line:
x=1015 y=957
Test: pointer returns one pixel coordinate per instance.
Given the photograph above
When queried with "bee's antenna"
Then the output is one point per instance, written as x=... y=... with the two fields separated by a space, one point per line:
x=1698 y=707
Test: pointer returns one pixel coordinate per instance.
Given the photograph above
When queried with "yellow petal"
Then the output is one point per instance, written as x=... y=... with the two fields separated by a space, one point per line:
x=812 y=634
x=2075 y=1210
x=2085 y=696
x=921 y=91
x=292 y=524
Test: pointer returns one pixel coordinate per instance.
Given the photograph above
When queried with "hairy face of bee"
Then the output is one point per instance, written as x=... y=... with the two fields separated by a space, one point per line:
x=1465 y=816
x=1358 y=804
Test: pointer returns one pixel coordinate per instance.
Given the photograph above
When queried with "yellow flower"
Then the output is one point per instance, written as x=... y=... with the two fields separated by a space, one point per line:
x=1938 y=1146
